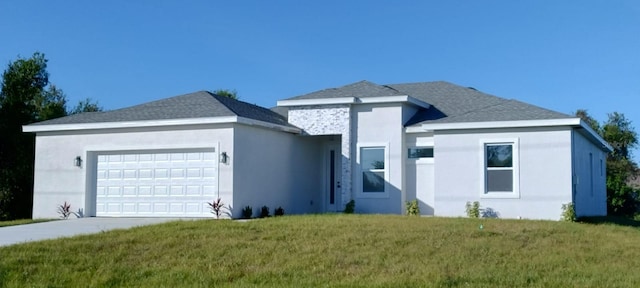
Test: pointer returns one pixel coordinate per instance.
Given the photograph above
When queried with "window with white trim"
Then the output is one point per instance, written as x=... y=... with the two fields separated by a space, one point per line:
x=372 y=161
x=373 y=170
x=500 y=169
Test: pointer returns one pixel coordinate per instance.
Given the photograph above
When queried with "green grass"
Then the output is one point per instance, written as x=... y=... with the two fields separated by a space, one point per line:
x=334 y=251
x=22 y=222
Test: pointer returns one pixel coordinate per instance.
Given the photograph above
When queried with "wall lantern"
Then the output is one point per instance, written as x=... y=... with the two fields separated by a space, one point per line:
x=78 y=161
x=224 y=158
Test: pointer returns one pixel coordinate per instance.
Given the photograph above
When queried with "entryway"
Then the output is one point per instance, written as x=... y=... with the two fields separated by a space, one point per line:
x=333 y=177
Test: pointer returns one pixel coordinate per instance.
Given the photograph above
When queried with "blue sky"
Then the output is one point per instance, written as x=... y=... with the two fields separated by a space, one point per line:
x=561 y=55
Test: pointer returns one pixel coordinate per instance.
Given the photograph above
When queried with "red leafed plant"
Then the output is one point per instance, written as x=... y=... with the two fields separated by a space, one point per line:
x=217 y=208
x=64 y=210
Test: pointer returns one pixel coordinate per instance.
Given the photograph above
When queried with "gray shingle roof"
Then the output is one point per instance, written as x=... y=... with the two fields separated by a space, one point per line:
x=456 y=104
x=450 y=103
x=200 y=104
x=359 y=89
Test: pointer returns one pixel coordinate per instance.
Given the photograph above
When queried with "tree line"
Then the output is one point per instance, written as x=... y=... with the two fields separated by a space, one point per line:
x=26 y=97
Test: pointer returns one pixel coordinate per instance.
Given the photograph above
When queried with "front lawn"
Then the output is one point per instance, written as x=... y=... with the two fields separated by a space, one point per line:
x=334 y=250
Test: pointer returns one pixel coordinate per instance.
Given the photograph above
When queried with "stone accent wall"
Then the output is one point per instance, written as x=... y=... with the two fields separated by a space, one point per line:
x=329 y=120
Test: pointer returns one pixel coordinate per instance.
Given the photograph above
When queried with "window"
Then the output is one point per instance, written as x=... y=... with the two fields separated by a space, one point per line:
x=601 y=169
x=500 y=169
x=372 y=161
x=591 y=172
x=372 y=171
x=420 y=152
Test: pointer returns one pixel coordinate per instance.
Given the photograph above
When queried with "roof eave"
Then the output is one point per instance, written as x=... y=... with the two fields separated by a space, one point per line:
x=253 y=122
x=354 y=100
x=570 y=122
x=595 y=136
x=319 y=101
x=34 y=128
x=501 y=124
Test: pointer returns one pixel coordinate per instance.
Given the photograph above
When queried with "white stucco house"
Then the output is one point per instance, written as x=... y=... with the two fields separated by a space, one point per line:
x=380 y=145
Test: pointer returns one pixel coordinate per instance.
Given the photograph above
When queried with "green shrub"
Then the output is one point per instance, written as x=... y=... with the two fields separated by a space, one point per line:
x=350 y=207
x=264 y=212
x=568 y=212
x=413 y=208
x=247 y=212
x=473 y=209
x=278 y=212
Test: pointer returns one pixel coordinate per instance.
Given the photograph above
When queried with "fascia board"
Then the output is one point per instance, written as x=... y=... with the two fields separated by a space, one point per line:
x=502 y=124
x=593 y=134
x=395 y=99
x=414 y=129
x=354 y=100
x=129 y=124
x=253 y=122
x=320 y=101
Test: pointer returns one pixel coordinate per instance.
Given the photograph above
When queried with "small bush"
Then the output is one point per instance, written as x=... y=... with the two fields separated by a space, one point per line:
x=568 y=212
x=217 y=208
x=413 y=208
x=64 y=210
x=489 y=213
x=264 y=212
x=247 y=212
x=350 y=207
x=278 y=212
x=473 y=209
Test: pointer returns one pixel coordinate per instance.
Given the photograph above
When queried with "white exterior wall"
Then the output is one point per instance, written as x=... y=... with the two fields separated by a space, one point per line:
x=590 y=191
x=419 y=174
x=544 y=172
x=276 y=169
x=57 y=179
x=329 y=120
x=375 y=125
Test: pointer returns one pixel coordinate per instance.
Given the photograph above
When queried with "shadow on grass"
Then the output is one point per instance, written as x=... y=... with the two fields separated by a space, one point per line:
x=613 y=220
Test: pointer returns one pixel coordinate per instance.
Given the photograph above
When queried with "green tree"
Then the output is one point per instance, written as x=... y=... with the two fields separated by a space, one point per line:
x=620 y=134
x=86 y=105
x=233 y=94
x=50 y=104
x=593 y=123
x=26 y=96
x=23 y=87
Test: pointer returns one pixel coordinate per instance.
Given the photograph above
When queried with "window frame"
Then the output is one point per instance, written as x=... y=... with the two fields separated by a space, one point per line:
x=416 y=147
x=515 y=167
x=360 y=193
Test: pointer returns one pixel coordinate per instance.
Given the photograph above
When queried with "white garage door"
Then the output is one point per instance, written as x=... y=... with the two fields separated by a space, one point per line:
x=167 y=184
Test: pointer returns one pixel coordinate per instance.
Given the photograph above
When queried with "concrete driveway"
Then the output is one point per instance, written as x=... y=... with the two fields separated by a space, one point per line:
x=66 y=228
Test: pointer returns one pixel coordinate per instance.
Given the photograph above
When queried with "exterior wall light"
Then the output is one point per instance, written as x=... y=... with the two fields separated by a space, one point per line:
x=78 y=161
x=224 y=158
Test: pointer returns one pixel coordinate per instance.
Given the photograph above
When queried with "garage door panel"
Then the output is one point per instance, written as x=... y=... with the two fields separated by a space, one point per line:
x=144 y=208
x=163 y=184
x=129 y=191
x=161 y=208
x=144 y=191
x=177 y=173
